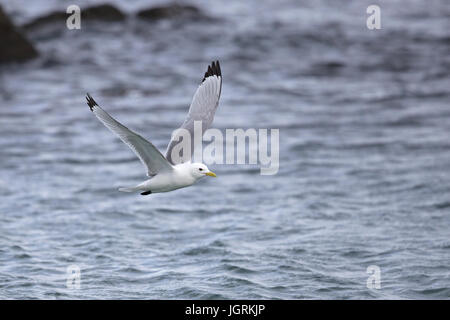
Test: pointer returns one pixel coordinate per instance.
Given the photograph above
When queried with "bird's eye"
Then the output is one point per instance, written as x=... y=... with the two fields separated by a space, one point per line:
x=200 y=169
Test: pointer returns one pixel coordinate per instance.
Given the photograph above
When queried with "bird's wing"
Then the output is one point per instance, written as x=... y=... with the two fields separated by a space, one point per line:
x=150 y=157
x=203 y=106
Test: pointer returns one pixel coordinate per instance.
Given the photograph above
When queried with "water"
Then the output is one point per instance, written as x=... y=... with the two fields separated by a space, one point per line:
x=364 y=125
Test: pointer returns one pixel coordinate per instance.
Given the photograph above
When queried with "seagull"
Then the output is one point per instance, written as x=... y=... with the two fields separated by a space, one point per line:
x=167 y=174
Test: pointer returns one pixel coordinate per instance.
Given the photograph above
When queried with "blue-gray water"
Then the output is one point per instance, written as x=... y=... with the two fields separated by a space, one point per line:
x=364 y=119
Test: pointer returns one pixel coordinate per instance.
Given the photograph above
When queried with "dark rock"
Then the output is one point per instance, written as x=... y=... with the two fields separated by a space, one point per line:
x=171 y=11
x=104 y=12
x=51 y=18
x=15 y=46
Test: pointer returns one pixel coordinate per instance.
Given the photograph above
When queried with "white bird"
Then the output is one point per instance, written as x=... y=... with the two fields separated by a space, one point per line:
x=164 y=172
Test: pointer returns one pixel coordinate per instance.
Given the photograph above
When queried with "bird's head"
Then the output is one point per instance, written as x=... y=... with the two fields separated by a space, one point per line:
x=199 y=170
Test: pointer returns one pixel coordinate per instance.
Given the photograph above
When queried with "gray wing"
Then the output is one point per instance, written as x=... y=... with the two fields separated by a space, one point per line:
x=203 y=106
x=150 y=157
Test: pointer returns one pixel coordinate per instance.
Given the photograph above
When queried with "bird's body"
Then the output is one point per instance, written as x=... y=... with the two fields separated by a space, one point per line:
x=179 y=177
x=167 y=172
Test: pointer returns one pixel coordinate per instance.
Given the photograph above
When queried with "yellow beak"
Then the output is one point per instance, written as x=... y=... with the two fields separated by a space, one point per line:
x=211 y=174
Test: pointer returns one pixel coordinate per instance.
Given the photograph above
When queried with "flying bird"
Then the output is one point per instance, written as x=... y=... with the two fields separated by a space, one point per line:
x=165 y=173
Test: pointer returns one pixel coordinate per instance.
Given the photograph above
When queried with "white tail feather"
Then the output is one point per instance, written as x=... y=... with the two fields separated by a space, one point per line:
x=129 y=189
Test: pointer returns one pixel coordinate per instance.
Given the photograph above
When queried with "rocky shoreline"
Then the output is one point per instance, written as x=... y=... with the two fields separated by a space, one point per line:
x=19 y=48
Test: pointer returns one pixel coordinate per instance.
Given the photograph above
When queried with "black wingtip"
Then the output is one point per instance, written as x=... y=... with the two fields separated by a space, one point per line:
x=213 y=70
x=91 y=102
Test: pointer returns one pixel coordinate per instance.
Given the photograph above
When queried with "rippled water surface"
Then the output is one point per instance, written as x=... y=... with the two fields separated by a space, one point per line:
x=364 y=121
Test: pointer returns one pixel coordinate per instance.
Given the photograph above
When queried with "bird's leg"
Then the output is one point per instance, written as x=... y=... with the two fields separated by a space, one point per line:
x=146 y=193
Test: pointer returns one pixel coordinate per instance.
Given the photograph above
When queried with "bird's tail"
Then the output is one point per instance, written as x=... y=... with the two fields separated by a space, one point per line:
x=130 y=189
x=139 y=187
